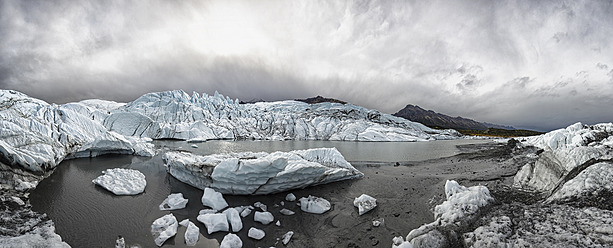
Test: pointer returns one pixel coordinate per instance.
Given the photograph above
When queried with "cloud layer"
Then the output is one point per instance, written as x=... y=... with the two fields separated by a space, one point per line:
x=532 y=64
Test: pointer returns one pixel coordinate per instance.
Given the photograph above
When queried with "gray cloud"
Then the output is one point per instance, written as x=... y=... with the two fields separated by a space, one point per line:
x=537 y=64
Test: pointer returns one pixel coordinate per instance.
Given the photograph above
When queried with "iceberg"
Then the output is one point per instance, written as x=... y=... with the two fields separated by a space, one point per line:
x=214 y=222
x=260 y=173
x=255 y=233
x=314 y=205
x=122 y=181
x=231 y=240
x=192 y=233
x=263 y=217
x=234 y=219
x=173 y=202
x=364 y=203
x=213 y=199
x=164 y=228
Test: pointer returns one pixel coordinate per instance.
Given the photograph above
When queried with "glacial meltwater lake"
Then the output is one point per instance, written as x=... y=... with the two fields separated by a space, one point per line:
x=86 y=215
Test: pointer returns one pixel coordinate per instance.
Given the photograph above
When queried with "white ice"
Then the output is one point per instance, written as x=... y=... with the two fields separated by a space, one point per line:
x=364 y=203
x=213 y=199
x=164 y=228
x=122 y=181
x=214 y=222
x=231 y=240
x=315 y=205
x=260 y=173
x=290 y=197
x=263 y=217
x=192 y=233
x=173 y=202
x=287 y=237
x=286 y=211
x=234 y=219
x=255 y=233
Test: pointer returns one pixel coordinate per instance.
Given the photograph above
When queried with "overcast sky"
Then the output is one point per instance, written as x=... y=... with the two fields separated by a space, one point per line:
x=531 y=64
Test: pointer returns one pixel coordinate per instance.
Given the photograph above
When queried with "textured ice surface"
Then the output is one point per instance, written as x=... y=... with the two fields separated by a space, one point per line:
x=457 y=212
x=173 y=202
x=591 y=181
x=231 y=240
x=255 y=233
x=122 y=181
x=364 y=203
x=234 y=219
x=260 y=173
x=263 y=217
x=566 y=152
x=164 y=228
x=213 y=199
x=314 y=205
x=177 y=115
x=192 y=233
x=214 y=222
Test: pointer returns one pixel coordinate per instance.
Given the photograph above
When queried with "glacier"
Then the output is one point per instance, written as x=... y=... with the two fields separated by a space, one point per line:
x=260 y=173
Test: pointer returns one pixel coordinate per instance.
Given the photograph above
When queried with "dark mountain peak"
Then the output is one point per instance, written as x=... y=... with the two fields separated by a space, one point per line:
x=320 y=99
x=436 y=120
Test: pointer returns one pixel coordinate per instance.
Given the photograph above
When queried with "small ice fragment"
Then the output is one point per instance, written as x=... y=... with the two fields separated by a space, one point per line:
x=278 y=223
x=234 y=219
x=286 y=211
x=246 y=212
x=255 y=233
x=282 y=203
x=173 y=202
x=263 y=217
x=377 y=222
x=192 y=232
x=120 y=242
x=287 y=237
x=214 y=222
x=260 y=205
x=231 y=240
x=315 y=205
x=164 y=228
x=207 y=211
x=290 y=197
x=213 y=199
x=364 y=203
x=194 y=146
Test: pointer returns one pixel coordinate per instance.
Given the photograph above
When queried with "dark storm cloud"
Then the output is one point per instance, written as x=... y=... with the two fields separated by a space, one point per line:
x=539 y=64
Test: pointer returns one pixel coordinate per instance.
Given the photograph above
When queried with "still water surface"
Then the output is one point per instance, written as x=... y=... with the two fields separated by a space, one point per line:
x=86 y=215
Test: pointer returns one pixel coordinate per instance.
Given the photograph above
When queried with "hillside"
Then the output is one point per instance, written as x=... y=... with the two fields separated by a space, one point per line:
x=437 y=120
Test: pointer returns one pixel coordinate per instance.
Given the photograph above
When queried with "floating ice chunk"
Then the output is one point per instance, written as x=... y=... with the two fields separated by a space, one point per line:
x=287 y=237
x=207 y=211
x=315 y=205
x=164 y=228
x=194 y=146
x=120 y=242
x=214 y=222
x=260 y=205
x=231 y=240
x=255 y=233
x=290 y=197
x=122 y=181
x=278 y=223
x=246 y=212
x=173 y=202
x=192 y=232
x=234 y=219
x=213 y=199
x=364 y=203
x=263 y=217
x=286 y=211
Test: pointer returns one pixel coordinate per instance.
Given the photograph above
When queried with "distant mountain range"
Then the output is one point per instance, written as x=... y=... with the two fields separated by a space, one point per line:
x=437 y=120
x=320 y=99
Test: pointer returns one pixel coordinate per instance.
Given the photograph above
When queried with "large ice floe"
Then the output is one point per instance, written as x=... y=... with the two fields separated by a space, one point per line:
x=122 y=181
x=574 y=160
x=260 y=173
